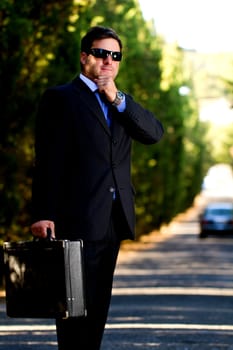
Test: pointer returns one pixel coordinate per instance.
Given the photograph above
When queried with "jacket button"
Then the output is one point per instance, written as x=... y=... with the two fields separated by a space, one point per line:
x=114 y=141
x=111 y=189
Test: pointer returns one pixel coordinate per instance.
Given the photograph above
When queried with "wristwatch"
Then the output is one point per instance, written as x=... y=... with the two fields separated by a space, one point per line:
x=118 y=99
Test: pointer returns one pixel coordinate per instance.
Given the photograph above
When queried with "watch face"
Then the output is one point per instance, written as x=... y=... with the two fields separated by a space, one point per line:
x=120 y=95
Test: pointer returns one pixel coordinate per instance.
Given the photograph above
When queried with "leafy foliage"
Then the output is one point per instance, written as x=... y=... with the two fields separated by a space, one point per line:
x=40 y=44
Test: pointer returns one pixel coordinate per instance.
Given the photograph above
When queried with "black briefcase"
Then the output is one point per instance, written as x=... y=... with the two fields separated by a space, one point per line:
x=44 y=279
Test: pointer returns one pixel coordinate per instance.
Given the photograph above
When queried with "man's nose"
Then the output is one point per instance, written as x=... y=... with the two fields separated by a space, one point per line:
x=108 y=59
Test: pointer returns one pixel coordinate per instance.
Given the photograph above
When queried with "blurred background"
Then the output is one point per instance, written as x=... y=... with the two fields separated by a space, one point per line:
x=177 y=62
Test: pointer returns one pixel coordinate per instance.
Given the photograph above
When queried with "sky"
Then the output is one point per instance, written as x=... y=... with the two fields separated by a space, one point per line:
x=202 y=25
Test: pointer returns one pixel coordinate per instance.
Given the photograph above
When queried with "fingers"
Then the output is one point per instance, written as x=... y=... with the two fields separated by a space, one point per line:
x=107 y=86
x=39 y=228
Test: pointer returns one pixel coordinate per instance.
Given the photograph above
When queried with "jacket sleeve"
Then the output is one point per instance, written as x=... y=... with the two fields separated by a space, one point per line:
x=140 y=123
x=50 y=133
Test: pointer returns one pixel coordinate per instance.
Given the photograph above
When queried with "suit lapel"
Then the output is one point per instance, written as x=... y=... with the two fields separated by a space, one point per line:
x=91 y=102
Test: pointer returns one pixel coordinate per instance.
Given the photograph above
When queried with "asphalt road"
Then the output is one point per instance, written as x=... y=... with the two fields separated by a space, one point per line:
x=171 y=291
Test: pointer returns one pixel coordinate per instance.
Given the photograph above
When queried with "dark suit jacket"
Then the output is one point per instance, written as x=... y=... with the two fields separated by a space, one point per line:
x=79 y=162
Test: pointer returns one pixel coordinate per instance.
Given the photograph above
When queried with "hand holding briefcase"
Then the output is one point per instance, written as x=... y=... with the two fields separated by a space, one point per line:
x=44 y=279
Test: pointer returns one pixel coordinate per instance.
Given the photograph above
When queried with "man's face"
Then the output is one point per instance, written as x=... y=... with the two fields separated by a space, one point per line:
x=93 y=67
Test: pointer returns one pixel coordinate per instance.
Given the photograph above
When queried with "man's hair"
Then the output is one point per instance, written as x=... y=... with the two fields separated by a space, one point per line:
x=98 y=33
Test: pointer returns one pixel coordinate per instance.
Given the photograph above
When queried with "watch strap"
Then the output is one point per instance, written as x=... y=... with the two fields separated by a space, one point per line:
x=118 y=99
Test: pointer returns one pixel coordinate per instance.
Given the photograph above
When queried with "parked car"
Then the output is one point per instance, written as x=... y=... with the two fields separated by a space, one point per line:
x=217 y=218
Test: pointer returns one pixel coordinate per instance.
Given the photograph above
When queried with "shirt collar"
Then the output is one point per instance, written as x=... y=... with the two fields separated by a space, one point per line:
x=92 y=86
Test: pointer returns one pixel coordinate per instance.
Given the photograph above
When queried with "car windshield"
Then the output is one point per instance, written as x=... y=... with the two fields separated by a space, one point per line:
x=219 y=211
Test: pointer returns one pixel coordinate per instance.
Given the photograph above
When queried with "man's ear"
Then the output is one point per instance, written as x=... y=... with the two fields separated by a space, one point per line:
x=83 y=57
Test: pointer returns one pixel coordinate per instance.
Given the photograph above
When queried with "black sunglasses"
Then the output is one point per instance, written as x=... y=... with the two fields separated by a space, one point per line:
x=102 y=53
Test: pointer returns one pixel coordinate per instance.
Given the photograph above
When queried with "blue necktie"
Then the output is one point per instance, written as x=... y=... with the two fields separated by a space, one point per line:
x=105 y=104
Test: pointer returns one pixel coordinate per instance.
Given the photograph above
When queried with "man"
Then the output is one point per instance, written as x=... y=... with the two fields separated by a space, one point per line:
x=82 y=187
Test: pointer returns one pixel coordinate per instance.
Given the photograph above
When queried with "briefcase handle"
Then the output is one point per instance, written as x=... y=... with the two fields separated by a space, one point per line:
x=49 y=235
x=47 y=238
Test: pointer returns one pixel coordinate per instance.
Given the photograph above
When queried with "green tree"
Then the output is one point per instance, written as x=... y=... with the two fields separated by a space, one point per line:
x=32 y=35
x=39 y=45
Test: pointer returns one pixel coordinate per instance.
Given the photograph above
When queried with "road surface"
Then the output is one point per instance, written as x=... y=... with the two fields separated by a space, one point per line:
x=171 y=291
